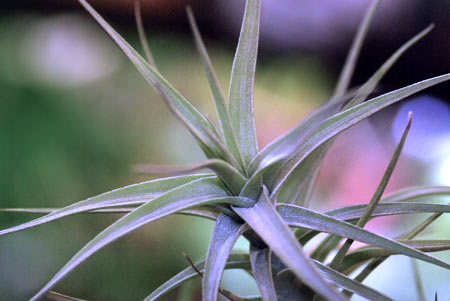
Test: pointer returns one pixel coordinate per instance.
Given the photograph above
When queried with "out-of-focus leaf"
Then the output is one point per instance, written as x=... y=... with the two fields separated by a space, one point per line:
x=268 y=224
x=126 y=196
x=235 y=261
x=343 y=120
x=61 y=297
x=197 y=124
x=297 y=216
x=362 y=221
x=262 y=272
x=216 y=91
x=353 y=212
x=418 y=192
x=225 y=234
x=373 y=81
x=352 y=58
x=232 y=178
x=240 y=103
x=141 y=32
x=355 y=258
x=328 y=244
x=196 y=193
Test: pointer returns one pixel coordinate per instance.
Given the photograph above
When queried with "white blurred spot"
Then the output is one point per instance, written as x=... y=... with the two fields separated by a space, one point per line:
x=68 y=50
x=430 y=131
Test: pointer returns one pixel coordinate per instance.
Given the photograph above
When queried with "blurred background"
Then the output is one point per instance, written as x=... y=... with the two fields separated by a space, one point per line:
x=75 y=116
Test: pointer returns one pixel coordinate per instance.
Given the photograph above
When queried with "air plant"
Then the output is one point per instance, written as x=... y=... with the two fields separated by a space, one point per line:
x=264 y=195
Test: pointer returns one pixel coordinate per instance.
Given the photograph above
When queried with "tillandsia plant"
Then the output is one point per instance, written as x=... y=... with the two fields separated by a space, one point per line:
x=264 y=195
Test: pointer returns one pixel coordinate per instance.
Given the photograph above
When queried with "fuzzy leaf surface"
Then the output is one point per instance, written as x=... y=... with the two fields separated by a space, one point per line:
x=225 y=234
x=262 y=272
x=240 y=103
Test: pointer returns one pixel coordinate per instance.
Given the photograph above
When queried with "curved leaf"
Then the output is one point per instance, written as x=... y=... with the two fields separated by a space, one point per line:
x=240 y=105
x=268 y=224
x=353 y=212
x=418 y=192
x=199 y=192
x=130 y=195
x=352 y=58
x=225 y=234
x=297 y=216
x=262 y=272
x=343 y=120
x=235 y=261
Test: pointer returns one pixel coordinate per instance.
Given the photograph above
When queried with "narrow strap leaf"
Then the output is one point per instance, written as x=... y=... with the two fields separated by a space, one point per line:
x=126 y=196
x=268 y=224
x=199 y=192
x=418 y=192
x=262 y=272
x=235 y=261
x=225 y=234
x=358 y=256
x=296 y=216
x=337 y=261
x=352 y=58
x=240 y=104
x=418 y=281
x=344 y=120
x=196 y=123
x=343 y=281
x=354 y=212
x=216 y=91
x=141 y=32
x=232 y=178
x=369 y=86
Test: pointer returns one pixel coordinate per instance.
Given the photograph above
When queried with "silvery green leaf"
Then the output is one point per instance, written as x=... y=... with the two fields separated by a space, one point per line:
x=268 y=224
x=199 y=192
x=225 y=234
x=130 y=195
x=234 y=261
x=296 y=216
x=216 y=91
x=262 y=272
x=240 y=103
x=344 y=120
